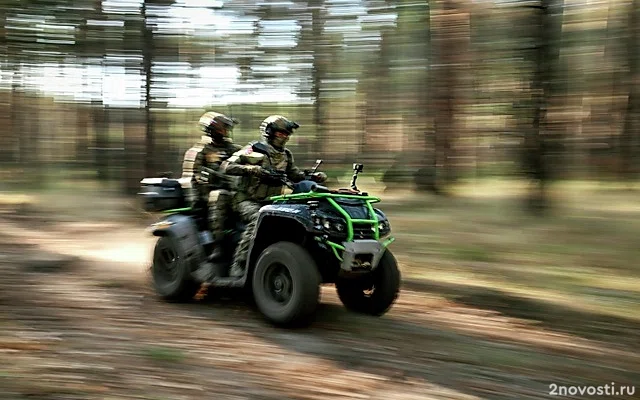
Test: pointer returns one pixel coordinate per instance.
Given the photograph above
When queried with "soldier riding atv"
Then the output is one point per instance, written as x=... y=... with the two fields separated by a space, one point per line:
x=303 y=239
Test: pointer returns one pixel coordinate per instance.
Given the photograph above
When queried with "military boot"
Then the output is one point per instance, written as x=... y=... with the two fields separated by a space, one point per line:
x=204 y=272
x=217 y=230
x=218 y=252
x=237 y=269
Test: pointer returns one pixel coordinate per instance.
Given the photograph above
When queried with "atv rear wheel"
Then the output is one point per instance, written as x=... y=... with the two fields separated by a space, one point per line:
x=286 y=284
x=374 y=293
x=171 y=272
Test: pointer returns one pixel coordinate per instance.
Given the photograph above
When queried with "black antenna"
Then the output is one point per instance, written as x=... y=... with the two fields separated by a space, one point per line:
x=357 y=168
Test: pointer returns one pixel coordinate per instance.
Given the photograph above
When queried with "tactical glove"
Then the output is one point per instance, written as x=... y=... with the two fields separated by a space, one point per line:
x=255 y=170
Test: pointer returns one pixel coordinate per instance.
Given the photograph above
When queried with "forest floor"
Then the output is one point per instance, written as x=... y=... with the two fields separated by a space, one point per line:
x=495 y=305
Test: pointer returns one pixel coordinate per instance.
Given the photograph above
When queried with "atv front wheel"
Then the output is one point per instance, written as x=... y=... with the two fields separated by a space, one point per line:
x=286 y=284
x=170 y=271
x=374 y=293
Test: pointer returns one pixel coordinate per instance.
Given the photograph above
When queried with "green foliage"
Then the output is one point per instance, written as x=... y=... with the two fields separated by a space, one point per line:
x=164 y=354
x=471 y=253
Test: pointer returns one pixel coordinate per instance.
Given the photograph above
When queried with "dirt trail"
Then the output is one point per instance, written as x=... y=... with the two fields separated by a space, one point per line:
x=92 y=329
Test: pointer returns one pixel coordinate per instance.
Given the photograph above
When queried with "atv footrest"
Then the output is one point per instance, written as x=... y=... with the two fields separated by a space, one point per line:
x=228 y=282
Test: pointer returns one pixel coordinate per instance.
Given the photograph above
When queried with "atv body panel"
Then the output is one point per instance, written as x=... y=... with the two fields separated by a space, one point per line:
x=343 y=232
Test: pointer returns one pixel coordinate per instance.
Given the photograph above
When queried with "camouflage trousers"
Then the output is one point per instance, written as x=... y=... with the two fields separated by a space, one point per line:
x=248 y=211
x=220 y=202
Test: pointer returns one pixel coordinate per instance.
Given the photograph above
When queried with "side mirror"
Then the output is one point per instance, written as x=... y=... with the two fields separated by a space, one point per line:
x=358 y=167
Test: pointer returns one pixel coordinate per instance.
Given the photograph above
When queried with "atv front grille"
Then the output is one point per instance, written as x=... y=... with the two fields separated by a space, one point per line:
x=363 y=231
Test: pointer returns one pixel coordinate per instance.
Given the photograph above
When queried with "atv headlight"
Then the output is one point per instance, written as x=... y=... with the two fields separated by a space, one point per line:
x=383 y=223
x=384 y=227
x=333 y=225
x=329 y=224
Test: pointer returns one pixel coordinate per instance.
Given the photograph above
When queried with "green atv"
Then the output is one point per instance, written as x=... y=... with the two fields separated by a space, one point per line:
x=304 y=239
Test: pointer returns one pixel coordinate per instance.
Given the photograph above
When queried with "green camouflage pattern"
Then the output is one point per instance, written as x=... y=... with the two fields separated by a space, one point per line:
x=197 y=184
x=246 y=164
x=220 y=207
x=204 y=154
x=248 y=211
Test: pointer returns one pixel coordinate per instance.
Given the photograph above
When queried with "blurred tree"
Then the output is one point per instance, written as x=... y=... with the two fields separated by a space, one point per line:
x=318 y=71
x=450 y=46
x=544 y=56
x=630 y=136
x=312 y=48
x=385 y=81
x=34 y=32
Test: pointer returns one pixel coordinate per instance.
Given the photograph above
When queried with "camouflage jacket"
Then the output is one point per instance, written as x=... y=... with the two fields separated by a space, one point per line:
x=251 y=187
x=200 y=167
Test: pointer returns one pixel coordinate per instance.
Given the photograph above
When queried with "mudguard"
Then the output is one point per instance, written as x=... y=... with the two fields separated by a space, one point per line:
x=184 y=230
x=296 y=212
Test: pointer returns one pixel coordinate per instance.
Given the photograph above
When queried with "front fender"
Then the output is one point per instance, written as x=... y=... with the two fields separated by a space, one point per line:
x=291 y=221
x=297 y=212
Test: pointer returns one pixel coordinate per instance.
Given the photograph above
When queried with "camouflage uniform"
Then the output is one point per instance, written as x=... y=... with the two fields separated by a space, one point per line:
x=199 y=188
x=201 y=184
x=249 y=164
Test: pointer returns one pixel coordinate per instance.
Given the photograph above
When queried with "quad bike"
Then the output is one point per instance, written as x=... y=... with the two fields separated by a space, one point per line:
x=304 y=239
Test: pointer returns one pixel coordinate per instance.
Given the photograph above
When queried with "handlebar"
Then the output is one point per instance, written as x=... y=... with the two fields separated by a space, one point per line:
x=277 y=177
x=280 y=177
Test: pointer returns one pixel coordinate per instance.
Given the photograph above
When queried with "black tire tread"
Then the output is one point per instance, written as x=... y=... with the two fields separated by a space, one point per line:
x=387 y=280
x=307 y=280
x=186 y=288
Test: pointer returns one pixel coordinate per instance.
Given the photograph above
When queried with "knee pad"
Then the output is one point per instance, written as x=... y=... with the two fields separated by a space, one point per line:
x=213 y=197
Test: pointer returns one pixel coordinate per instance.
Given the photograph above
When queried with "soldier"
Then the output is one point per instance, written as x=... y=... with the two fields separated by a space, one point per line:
x=201 y=177
x=250 y=165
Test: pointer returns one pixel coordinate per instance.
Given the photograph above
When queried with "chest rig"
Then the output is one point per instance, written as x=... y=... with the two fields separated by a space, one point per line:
x=259 y=153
